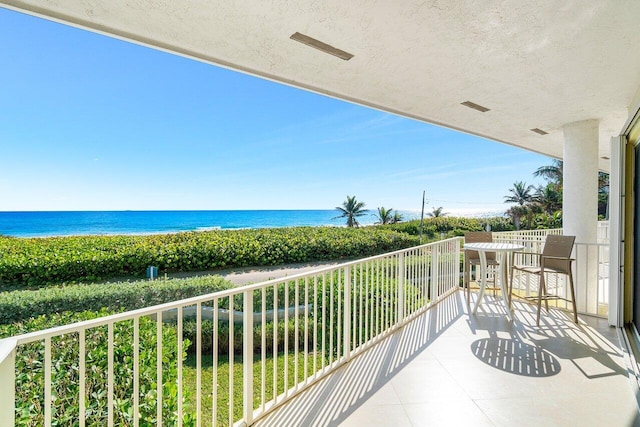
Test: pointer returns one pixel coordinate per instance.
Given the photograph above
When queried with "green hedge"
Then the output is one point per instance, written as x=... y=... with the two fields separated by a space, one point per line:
x=64 y=375
x=20 y=305
x=40 y=261
x=434 y=228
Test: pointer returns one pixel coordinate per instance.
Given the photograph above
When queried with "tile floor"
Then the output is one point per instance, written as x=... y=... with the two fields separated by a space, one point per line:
x=447 y=368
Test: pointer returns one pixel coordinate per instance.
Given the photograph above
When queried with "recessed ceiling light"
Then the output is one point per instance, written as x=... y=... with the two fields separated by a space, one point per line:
x=539 y=131
x=317 y=44
x=475 y=106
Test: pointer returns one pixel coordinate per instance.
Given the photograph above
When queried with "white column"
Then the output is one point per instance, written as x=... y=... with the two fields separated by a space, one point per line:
x=580 y=204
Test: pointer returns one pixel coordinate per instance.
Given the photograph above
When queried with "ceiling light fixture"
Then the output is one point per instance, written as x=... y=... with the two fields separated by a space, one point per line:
x=317 y=44
x=539 y=131
x=475 y=106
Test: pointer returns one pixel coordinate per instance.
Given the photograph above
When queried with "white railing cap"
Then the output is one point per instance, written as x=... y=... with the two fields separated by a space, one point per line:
x=7 y=346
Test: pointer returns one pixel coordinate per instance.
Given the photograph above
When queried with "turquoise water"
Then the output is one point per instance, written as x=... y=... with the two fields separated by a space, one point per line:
x=41 y=224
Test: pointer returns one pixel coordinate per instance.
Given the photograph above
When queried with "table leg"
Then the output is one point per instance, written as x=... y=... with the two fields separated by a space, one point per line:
x=483 y=279
x=504 y=286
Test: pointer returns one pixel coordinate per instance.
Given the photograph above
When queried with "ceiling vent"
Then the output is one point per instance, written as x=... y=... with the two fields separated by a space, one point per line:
x=539 y=131
x=475 y=106
x=317 y=44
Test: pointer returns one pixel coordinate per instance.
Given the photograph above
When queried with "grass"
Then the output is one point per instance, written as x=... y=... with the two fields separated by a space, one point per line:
x=222 y=375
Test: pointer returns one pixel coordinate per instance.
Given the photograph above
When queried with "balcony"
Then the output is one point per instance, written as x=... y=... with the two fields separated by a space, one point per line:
x=449 y=368
x=384 y=340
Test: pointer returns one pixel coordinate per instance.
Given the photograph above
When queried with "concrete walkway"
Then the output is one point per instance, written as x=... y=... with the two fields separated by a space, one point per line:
x=247 y=275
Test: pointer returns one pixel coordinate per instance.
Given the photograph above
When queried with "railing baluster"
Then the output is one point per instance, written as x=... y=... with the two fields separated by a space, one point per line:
x=347 y=314
x=136 y=371
x=324 y=319
x=378 y=299
x=436 y=272
x=247 y=357
x=339 y=313
x=179 y=350
x=232 y=354
x=286 y=339
x=296 y=330
x=214 y=374
x=315 y=325
x=331 y=321
x=400 y=290
x=275 y=343
x=263 y=351
x=47 y=382
x=110 y=378
x=82 y=378
x=370 y=280
x=354 y=309
x=360 y=312
x=306 y=330
x=198 y=364
x=158 y=368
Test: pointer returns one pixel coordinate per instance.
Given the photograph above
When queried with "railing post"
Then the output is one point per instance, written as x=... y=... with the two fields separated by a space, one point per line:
x=400 y=291
x=435 y=273
x=346 y=325
x=458 y=271
x=247 y=356
x=8 y=381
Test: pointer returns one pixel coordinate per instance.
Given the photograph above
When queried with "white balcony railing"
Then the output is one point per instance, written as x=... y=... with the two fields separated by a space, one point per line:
x=255 y=346
x=130 y=369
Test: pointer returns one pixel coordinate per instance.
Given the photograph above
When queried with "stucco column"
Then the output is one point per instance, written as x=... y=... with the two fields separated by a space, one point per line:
x=580 y=204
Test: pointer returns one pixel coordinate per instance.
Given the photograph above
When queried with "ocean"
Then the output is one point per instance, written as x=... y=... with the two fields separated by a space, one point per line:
x=63 y=223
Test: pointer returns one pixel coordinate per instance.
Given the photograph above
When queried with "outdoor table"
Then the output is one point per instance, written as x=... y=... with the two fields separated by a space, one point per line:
x=502 y=250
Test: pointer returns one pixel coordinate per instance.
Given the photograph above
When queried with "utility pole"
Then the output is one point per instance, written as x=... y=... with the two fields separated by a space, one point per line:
x=422 y=216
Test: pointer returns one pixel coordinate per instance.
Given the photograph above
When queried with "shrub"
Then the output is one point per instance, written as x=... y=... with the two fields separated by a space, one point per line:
x=435 y=228
x=189 y=333
x=65 y=366
x=383 y=294
x=55 y=260
x=123 y=296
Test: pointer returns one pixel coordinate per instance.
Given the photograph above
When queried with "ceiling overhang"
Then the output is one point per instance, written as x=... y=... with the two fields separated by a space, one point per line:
x=535 y=66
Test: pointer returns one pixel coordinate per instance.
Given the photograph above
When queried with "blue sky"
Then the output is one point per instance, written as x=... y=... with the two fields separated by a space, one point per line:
x=93 y=123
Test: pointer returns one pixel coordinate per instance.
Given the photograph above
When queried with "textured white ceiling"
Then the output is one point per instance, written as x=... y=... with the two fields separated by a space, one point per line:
x=535 y=64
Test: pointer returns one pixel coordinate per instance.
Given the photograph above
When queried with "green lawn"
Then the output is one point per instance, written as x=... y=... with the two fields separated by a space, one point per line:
x=190 y=374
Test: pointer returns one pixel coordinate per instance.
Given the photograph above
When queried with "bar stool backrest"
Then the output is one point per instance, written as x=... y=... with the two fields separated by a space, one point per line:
x=558 y=247
x=478 y=237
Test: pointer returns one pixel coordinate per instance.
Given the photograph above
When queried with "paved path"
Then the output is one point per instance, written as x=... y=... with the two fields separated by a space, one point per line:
x=243 y=276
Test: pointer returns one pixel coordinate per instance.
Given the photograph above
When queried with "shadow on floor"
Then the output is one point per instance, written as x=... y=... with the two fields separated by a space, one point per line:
x=336 y=397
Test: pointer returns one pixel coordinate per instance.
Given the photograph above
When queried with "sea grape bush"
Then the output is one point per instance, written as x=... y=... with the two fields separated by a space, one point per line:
x=64 y=375
x=20 y=305
x=434 y=228
x=41 y=261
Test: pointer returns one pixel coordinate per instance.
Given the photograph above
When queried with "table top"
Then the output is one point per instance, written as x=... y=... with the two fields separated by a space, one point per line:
x=492 y=247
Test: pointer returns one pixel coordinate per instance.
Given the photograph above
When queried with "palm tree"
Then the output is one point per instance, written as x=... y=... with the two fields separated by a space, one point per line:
x=397 y=217
x=552 y=173
x=520 y=193
x=548 y=198
x=351 y=209
x=437 y=212
x=384 y=216
x=516 y=213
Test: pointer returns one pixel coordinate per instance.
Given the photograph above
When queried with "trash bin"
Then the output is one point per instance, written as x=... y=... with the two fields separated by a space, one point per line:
x=152 y=272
